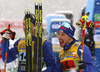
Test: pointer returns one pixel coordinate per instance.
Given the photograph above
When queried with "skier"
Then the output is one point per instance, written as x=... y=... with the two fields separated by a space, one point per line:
x=69 y=57
x=89 y=41
x=19 y=46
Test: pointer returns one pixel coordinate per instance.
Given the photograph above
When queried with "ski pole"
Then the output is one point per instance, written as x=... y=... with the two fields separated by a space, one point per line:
x=83 y=34
x=12 y=33
x=6 y=56
x=83 y=21
x=8 y=28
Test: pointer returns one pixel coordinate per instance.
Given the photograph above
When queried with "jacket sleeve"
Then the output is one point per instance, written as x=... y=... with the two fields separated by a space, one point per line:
x=58 y=66
x=12 y=53
x=48 y=56
x=87 y=58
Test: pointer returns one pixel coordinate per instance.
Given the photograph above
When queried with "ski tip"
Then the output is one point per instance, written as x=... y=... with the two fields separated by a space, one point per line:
x=40 y=1
x=25 y=11
x=36 y=1
x=28 y=10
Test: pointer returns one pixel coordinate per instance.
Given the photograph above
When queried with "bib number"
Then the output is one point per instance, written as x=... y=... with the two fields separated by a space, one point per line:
x=67 y=65
x=22 y=61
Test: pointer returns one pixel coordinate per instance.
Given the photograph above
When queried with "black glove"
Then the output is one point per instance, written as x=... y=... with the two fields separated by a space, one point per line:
x=82 y=65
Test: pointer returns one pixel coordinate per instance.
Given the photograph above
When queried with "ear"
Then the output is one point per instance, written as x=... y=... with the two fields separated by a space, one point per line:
x=70 y=39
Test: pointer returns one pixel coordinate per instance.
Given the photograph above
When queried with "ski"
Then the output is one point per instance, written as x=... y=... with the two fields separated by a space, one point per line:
x=36 y=44
x=29 y=58
x=38 y=37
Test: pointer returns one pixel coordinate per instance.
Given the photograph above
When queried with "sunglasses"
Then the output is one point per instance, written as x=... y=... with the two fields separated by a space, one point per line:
x=66 y=25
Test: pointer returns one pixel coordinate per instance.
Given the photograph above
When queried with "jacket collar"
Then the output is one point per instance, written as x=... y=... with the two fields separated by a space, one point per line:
x=67 y=46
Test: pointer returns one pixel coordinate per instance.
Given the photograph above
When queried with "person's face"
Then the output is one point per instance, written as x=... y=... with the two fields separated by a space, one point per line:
x=24 y=26
x=63 y=38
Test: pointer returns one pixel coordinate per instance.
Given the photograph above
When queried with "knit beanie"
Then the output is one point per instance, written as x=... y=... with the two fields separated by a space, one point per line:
x=32 y=16
x=67 y=28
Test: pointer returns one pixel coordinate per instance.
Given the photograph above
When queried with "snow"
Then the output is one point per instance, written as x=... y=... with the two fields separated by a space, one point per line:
x=13 y=10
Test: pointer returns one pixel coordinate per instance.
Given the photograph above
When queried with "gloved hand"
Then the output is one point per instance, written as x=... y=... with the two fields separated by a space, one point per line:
x=82 y=65
x=6 y=35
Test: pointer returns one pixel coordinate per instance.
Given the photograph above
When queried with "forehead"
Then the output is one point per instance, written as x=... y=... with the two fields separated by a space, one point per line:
x=61 y=32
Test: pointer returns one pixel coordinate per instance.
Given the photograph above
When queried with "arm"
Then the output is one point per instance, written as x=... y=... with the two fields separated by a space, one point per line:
x=87 y=58
x=12 y=53
x=58 y=66
x=48 y=56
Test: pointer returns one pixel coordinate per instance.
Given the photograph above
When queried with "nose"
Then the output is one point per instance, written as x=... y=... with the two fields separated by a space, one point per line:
x=59 y=36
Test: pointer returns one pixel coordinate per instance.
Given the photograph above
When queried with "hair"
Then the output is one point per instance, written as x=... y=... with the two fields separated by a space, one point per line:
x=32 y=16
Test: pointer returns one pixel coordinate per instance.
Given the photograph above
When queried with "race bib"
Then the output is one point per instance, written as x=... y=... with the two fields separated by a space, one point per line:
x=69 y=64
x=22 y=61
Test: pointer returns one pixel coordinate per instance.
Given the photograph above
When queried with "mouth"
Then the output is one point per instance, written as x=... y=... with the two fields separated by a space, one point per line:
x=61 y=42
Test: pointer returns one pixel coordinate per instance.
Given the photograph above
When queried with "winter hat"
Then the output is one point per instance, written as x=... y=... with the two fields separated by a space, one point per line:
x=67 y=28
x=32 y=16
